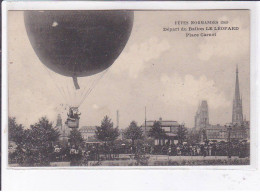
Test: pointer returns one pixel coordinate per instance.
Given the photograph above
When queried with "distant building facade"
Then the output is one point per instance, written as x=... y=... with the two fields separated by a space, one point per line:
x=88 y=132
x=216 y=133
x=221 y=133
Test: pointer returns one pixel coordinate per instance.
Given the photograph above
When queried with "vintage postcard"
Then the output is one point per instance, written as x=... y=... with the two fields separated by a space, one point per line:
x=90 y=88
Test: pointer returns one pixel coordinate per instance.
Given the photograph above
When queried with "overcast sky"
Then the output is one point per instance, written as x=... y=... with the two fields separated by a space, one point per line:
x=164 y=71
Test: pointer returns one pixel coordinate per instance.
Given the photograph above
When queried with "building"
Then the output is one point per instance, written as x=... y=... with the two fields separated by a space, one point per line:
x=88 y=132
x=237 y=113
x=221 y=133
x=170 y=127
x=202 y=116
x=238 y=129
x=64 y=130
x=216 y=133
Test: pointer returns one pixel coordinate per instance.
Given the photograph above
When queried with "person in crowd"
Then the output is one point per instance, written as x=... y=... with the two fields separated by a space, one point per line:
x=152 y=150
x=202 y=150
x=210 y=149
x=205 y=150
x=169 y=151
x=194 y=150
x=178 y=150
x=198 y=150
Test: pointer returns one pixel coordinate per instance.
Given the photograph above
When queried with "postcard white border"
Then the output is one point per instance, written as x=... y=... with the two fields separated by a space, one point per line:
x=137 y=177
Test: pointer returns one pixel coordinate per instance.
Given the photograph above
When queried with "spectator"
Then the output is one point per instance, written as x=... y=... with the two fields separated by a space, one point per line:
x=210 y=149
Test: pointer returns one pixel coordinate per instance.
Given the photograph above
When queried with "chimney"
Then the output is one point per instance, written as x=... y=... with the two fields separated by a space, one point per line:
x=117 y=119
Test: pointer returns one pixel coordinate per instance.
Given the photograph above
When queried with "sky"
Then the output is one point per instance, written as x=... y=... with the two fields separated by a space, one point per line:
x=165 y=72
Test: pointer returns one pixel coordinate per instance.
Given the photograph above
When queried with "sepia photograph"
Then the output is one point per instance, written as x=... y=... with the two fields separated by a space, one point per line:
x=127 y=88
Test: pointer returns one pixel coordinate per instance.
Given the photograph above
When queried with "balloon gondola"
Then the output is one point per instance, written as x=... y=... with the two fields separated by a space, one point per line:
x=73 y=117
x=78 y=43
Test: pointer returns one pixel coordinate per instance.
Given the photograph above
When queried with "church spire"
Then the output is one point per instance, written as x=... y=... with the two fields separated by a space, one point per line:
x=237 y=92
x=237 y=115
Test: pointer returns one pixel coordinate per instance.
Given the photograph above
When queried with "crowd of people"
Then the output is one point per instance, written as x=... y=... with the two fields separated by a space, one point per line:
x=240 y=149
x=99 y=152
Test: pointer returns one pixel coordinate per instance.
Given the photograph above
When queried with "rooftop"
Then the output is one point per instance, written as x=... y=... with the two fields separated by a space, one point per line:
x=88 y=129
x=163 y=123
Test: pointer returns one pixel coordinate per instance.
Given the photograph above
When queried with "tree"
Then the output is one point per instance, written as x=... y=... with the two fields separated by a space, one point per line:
x=157 y=131
x=133 y=132
x=75 y=138
x=15 y=131
x=181 y=133
x=39 y=141
x=106 y=132
x=76 y=141
x=193 y=137
x=43 y=133
x=34 y=145
x=16 y=135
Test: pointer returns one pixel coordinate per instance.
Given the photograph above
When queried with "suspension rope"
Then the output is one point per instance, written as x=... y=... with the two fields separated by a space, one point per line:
x=58 y=88
x=63 y=91
x=68 y=96
x=93 y=86
x=68 y=91
x=65 y=95
x=87 y=88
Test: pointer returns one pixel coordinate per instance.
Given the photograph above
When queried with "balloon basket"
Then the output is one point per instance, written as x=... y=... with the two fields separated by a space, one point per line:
x=73 y=124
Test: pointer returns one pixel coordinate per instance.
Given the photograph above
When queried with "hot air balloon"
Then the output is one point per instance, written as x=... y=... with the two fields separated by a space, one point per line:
x=78 y=43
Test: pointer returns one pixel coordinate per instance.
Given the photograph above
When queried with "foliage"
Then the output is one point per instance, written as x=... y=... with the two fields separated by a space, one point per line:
x=181 y=133
x=157 y=131
x=43 y=133
x=75 y=138
x=36 y=145
x=106 y=132
x=122 y=144
x=193 y=137
x=15 y=131
x=133 y=132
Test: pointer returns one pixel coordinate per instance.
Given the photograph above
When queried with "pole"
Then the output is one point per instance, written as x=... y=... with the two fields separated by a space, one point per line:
x=229 y=141
x=117 y=124
x=145 y=119
x=117 y=118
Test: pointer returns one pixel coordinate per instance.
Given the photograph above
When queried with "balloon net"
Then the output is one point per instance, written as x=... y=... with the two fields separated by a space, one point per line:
x=69 y=95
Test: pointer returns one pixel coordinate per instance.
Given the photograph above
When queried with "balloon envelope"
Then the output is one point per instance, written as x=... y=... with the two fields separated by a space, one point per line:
x=78 y=43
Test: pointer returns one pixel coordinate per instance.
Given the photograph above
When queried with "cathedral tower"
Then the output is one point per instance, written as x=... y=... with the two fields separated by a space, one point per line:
x=59 y=121
x=202 y=116
x=237 y=114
